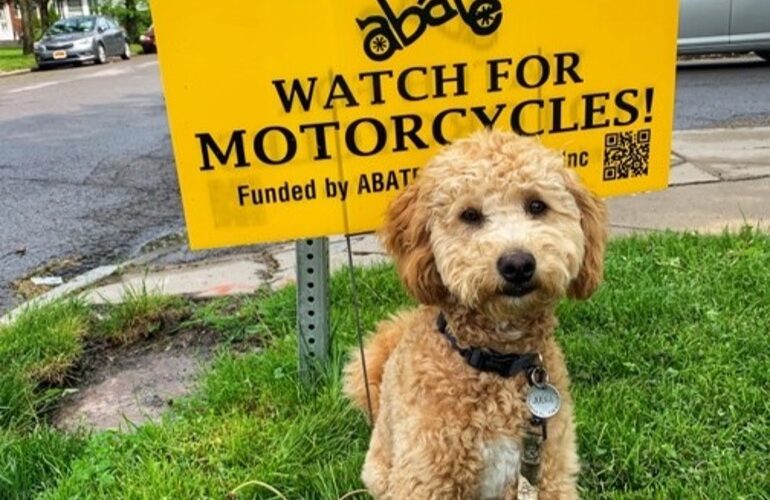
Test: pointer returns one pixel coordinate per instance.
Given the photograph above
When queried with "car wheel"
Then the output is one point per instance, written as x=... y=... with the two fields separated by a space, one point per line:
x=764 y=54
x=101 y=55
x=126 y=55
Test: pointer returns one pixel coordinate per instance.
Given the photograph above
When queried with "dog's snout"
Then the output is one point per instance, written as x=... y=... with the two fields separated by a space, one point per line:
x=517 y=267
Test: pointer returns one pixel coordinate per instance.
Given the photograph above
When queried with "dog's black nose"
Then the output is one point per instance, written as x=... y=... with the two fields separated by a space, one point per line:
x=517 y=267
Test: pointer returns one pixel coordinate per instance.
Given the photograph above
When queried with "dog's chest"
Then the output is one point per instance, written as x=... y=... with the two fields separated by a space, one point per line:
x=501 y=466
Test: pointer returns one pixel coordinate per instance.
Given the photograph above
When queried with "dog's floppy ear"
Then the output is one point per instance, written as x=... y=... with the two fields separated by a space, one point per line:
x=593 y=220
x=406 y=237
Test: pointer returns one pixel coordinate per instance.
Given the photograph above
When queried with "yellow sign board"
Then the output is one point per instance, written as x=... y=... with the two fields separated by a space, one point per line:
x=304 y=118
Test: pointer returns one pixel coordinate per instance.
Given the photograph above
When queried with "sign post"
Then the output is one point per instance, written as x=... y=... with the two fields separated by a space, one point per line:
x=312 y=305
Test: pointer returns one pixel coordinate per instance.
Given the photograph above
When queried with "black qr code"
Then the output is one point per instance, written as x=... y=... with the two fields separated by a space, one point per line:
x=626 y=154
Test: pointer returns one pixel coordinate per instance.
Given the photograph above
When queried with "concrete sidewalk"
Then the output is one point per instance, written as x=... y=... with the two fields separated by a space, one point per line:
x=719 y=179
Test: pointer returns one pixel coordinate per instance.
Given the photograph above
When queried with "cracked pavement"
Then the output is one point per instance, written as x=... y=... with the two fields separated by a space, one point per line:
x=86 y=167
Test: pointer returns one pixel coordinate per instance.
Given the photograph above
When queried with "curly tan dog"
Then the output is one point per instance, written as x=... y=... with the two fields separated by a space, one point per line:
x=492 y=234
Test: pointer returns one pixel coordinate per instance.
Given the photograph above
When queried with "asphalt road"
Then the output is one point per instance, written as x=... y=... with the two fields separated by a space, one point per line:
x=86 y=169
x=723 y=93
x=87 y=176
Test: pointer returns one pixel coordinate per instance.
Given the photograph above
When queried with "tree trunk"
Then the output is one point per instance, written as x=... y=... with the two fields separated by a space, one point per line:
x=131 y=25
x=45 y=19
x=28 y=27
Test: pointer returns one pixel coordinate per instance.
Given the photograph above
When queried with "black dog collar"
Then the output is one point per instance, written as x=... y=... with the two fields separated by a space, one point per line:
x=487 y=360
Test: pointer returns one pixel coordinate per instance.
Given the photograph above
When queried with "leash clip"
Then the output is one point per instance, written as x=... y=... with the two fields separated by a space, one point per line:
x=538 y=376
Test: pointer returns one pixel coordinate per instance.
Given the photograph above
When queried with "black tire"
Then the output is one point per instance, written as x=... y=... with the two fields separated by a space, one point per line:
x=101 y=54
x=764 y=54
x=126 y=55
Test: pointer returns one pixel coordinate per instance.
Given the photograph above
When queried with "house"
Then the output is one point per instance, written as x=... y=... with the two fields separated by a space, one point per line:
x=10 y=21
x=69 y=8
x=10 y=15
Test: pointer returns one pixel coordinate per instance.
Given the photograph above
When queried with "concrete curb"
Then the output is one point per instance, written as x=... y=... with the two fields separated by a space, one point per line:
x=689 y=62
x=16 y=72
x=78 y=283
x=83 y=281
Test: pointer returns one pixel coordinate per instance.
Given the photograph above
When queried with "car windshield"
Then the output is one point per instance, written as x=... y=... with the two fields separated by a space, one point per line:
x=72 y=25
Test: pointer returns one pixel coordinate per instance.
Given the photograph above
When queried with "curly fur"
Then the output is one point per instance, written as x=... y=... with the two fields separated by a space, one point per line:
x=441 y=428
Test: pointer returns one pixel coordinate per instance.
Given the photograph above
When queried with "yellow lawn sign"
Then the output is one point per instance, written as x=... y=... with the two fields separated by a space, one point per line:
x=304 y=118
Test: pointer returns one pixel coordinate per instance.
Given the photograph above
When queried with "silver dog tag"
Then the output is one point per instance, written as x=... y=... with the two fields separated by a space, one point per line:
x=543 y=401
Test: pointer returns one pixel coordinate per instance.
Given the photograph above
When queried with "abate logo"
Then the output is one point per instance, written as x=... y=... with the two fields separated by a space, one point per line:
x=390 y=30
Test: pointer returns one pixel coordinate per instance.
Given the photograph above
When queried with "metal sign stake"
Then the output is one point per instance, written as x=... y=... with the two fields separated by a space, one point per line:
x=312 y=305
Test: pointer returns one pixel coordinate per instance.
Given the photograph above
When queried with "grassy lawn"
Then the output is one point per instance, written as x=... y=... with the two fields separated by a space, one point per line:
x=12 y=59
x=669 y=364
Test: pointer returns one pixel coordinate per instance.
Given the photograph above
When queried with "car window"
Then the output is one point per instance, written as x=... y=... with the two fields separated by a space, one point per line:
x=72 y=25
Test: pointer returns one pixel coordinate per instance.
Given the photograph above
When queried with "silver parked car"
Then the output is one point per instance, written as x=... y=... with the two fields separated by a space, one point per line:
x=724 y=26
x=80 y=39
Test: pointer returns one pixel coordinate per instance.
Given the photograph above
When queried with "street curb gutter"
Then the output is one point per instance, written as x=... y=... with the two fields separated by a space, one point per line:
x=14 y=72
x=78 y=283
x=82 y=281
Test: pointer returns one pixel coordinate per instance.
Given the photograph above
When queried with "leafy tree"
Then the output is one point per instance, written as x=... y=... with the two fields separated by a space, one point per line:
x=46 y=19
x=133 y=15
x=131 y=21
x=48 y=16
x=27 y=9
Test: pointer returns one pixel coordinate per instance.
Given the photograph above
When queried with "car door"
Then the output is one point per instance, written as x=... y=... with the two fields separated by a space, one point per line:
x=104 y=34
x=109 y=36
x=750 y=24
x=116 y=32
x=704 y=24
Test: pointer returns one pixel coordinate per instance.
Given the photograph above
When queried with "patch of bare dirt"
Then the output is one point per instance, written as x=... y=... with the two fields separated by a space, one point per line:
x=65 y=268
x=119 y=388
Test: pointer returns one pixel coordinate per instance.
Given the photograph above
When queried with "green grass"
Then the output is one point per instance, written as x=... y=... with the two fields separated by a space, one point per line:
x=40 y=347
x=139 y=316
x=12 y=59
x=670 y=377
x=35 y=460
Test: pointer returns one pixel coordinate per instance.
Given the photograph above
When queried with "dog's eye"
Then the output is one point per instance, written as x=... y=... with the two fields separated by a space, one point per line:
x=471 y=216
x=536 y=207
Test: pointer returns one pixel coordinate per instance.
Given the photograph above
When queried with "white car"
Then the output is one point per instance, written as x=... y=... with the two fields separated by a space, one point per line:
x=707 y=26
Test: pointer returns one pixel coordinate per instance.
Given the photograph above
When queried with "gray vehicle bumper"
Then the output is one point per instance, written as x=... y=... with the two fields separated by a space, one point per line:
x=46 y=58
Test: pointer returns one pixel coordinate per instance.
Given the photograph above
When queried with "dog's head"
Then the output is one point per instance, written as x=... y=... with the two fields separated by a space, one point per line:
x=496 y=223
